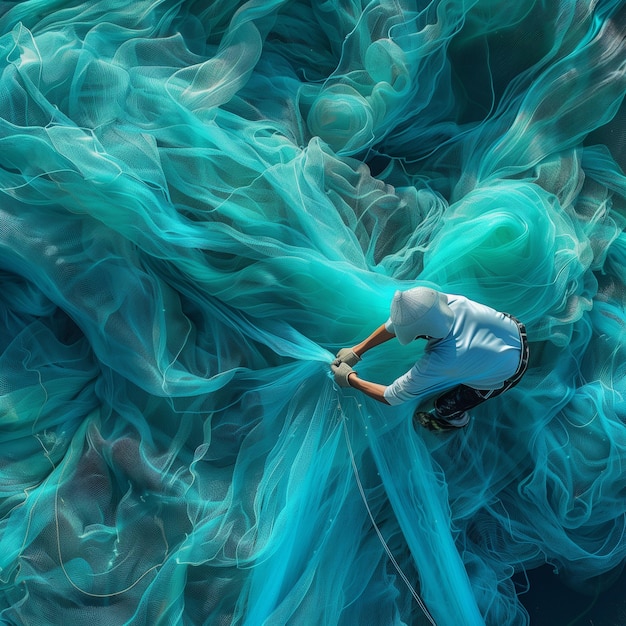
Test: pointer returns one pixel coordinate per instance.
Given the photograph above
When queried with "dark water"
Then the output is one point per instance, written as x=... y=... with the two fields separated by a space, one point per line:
x=550 y=603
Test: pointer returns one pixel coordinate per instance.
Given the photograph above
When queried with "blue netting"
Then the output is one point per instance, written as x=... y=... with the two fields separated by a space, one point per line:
x=201 y=202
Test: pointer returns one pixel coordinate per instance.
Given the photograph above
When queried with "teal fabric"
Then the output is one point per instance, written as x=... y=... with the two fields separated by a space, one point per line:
x=201 y=202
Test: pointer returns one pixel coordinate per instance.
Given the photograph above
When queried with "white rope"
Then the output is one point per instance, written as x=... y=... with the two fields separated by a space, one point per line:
x=414 y=593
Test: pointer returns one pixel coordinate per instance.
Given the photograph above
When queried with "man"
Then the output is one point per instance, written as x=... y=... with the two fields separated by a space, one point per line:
x=473 y=352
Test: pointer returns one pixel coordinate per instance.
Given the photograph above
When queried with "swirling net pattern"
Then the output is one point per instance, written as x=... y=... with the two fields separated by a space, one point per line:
x=201 y=202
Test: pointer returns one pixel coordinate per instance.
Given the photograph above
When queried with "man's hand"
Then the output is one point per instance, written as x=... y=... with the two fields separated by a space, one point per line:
x=348 y=356
x=341 y=372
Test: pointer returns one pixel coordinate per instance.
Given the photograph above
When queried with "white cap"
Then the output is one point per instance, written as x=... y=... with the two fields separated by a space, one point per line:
x=419 y=312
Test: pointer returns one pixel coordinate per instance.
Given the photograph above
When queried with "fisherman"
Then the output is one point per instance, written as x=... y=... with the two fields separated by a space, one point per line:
x=473 y=352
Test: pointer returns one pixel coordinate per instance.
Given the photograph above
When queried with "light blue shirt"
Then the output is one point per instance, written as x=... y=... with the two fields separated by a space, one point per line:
x=482 y=350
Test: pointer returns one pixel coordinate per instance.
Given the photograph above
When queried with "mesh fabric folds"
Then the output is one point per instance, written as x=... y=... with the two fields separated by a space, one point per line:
x=201 y=202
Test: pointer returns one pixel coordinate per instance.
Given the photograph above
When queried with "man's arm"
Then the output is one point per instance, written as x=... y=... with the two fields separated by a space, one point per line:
x=380 y=335
x=373 y=390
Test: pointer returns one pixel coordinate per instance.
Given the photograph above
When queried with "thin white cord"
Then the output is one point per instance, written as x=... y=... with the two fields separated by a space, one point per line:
x=414 y=593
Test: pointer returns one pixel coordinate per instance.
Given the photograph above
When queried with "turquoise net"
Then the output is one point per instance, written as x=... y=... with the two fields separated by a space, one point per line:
x=202 y=201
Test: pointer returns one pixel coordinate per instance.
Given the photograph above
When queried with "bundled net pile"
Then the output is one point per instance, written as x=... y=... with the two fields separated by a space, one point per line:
x=201 y=201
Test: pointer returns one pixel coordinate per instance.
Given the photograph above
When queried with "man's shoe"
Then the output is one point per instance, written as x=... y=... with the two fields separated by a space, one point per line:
x=430 y=421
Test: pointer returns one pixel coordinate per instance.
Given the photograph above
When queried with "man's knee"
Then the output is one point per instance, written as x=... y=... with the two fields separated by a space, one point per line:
x=457 y=401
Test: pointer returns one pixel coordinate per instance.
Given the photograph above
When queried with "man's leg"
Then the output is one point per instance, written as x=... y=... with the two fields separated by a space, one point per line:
x=451 y=408
x=453 y=404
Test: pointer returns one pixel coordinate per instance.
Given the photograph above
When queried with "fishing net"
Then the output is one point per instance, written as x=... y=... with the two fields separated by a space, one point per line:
x=202 y=201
